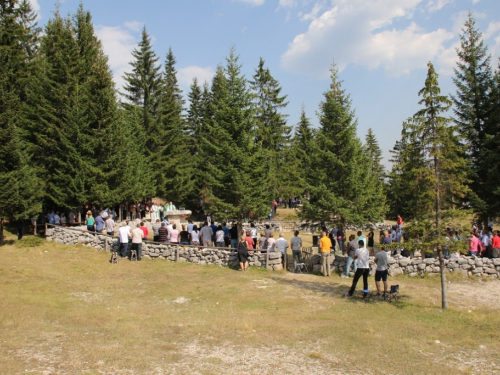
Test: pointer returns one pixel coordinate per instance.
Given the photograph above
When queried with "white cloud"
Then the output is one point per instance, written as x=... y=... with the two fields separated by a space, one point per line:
x=134 y=25
x=357 y=32
x=118 y=43
x=251 y=2
x=313 y=13
x=36 y=7
x=287 y=3
x=202 y=74
x=435 y=5
x=475 y=1
x=492 y=29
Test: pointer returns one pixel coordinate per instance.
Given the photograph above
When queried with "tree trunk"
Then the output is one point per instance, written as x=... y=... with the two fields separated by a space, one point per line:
x=444 y=294
x=1 y=231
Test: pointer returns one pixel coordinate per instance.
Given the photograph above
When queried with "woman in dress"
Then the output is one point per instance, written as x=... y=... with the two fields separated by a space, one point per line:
x=243 y=253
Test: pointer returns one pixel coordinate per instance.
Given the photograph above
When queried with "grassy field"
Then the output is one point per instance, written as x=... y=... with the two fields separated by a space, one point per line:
x=67 y=310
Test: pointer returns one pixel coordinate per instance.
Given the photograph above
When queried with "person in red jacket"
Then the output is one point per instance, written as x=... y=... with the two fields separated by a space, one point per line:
x=400 y=222
x=495 y=245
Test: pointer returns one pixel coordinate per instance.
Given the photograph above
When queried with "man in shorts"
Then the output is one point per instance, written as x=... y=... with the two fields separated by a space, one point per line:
x=382 y=271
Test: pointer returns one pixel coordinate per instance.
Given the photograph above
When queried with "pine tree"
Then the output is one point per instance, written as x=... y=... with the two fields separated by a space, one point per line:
x=442 y=154
x=472 y=109
x=143 y=91
x=272 y=132
x=234 y=166
x=171 y=165
x=343 y=184
x=20 y=194
x=304 y=148
x=375 y=155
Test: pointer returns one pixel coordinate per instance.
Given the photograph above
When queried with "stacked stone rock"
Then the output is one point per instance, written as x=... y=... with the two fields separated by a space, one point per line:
x=418 y=266
x=189 y=254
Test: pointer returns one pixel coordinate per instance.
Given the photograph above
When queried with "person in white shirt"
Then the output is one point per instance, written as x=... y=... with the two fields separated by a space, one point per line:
x=63 y=219
x=57 y=219
x=137 y=236
x=281 y=245
x=363 y=258
x=271 y=243
x=486 y=242
x=125 y=234
x=154 y=212
x=110 y=226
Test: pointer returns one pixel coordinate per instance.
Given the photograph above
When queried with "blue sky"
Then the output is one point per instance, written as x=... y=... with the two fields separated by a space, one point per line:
x=381 y=47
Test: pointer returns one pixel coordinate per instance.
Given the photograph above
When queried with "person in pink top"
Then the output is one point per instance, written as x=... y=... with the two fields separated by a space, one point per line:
x=474 y=244
x=174 y=234
x=144 y=229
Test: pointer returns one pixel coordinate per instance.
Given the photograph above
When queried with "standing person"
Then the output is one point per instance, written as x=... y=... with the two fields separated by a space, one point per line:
x=163 y=234
x=156 y=227
x=89 y=221
x=262 y=241
x=132 y=210
x=486 y=244
x=352 y=246
x=137 y=236
x=194 y=236
x=386 y=240
x=253 y=233
x=333 y=237
x=267 y=231
x=382 y=271
x=363 y=269
x=219 y=237
x=233 y=233
x=190 y=226
x=63 y=219
x=270 y=243
x=174 y=235
x=243 y=253
x=124 y=234
x=495 y=244
x=324 y=248
x=227 y=235
x=371 y=241
x=154 y=212
x=184 y=236
x=474 y=244
x=249 y=240
x=214 y=230
x=400 y=222
x=341 y=240
x=282 y=245
x=72 y=218
x=57 y=218
x=99 y=224
x=296 y=242
x=145 y=230
x=110 y=226
x=360 y=237
x=206 y=234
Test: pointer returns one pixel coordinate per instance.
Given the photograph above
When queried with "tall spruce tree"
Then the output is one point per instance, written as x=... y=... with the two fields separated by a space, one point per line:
x=171 y=164
x=58 y=113
x=20 y=196
x=341 y=167
x=304 y=148
x=472 y=109
x=234 y=166
x=443 y=157
x=143 y=91
x=272 y=131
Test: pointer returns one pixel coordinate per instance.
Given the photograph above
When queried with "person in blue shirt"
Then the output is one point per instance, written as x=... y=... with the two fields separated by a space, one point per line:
x=99 y=224
x=227 y=239
x=214 y=229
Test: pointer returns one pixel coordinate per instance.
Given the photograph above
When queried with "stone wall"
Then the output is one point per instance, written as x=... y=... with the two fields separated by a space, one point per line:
x=190 y=254
x=418 y=266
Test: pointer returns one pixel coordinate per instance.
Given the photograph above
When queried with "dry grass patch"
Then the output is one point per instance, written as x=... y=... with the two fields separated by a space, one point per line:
x=67 y=310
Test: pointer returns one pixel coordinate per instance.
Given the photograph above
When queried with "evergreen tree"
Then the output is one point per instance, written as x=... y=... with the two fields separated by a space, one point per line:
x=375 y=155
x=443 y=156
x=20 y=194
x=472 y=109
x=234 y=166
x=273 y=133
x=341 y=167
x=143 y=90
x=304 y=148
x=171 y=164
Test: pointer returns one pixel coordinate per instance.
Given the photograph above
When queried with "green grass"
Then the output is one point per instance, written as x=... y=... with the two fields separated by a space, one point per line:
x=68 y=310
